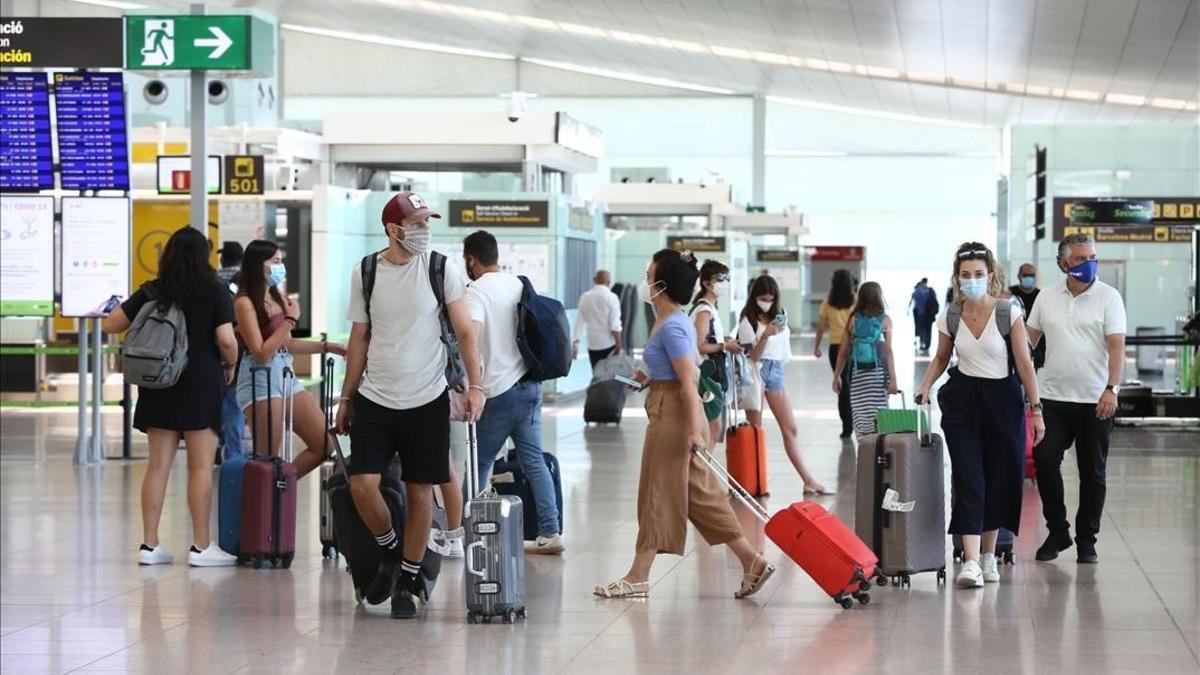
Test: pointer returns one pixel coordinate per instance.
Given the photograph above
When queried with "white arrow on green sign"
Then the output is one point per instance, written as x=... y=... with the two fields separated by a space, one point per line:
x=196 y=42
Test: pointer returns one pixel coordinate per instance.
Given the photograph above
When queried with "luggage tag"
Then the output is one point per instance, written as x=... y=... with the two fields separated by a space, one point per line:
x=891 y=502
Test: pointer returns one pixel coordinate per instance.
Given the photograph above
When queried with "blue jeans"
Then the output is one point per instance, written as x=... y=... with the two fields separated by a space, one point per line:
x=232 y=424
x=517 y=413
x=772 y=375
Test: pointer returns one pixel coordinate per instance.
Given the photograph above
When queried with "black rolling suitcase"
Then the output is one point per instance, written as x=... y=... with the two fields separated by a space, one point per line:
x=328 y=468
x=519 y=486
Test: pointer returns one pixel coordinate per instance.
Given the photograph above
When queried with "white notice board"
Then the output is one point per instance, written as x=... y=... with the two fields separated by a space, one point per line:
x=530 y=260
x=26 y=255
x=95 y=253
x=787 y=277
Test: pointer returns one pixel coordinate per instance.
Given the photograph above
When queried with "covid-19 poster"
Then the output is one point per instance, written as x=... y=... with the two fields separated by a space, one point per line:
x=26 y=255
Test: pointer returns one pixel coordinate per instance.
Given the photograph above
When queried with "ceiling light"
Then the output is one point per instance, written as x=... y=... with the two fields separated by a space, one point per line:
x=805 y=153
x=394 y=42
x=537 y=22
x=771 y=57
x=1082 y=94
x=637 y=38
x=1037 y=90
x=628 y=77
x=686 y=46
x=882 y=114
x=579 y=29
x=917 y=76
x=493 y=15
x=968 y=83
x=1192 y=105
x=880 y=71
x=840 y=67
x=860 y=69
x=114 y=4
x=731 y=52
x=1168 y=103
x=815 y=64
x=430 y=6
x=1125 y=99
x=1014 y=87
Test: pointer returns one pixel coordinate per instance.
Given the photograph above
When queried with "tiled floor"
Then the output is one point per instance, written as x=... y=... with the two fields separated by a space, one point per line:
x=71 y=597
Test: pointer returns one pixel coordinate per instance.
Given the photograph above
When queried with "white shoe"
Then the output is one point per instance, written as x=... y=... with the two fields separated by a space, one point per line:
x=154 y=556
x=971 y=575
x=212 y=556
x=454 y=548
x=547 y=545
x=991 y=569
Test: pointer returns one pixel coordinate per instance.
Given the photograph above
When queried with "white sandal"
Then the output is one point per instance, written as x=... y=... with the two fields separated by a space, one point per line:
x=622 y=588
x=751 y=582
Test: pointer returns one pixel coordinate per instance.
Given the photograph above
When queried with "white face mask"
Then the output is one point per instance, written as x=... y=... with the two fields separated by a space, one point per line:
x=646 y=293
x=765 y=306
x=721 y=288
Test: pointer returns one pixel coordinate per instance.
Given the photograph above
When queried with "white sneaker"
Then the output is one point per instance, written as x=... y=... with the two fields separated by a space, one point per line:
x=971 y=575
x=991 y=569
x=454 y=548
x=547 y=545
x=212 y=556
x=154 y=556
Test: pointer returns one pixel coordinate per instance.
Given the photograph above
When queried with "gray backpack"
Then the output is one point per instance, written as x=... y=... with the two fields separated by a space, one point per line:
x=154 y=353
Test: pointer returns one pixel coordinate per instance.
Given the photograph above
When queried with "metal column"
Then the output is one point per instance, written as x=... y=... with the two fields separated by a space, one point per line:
x=97 y=449
x=81 y=445
x=758 y=156
x=198 y=147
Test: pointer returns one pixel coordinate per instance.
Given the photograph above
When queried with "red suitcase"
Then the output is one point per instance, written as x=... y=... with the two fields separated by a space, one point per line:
x=269 y=493
x=746 y=454
x=823 y=546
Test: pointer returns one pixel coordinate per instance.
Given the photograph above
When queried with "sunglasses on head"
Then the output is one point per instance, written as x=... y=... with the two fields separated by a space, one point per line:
x=971 y=254
x=721 y=277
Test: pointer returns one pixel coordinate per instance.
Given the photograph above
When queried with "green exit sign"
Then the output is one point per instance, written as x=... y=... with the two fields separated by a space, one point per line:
x=198 y=42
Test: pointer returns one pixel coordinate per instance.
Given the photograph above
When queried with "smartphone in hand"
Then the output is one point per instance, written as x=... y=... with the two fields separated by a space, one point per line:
x=781 y=318
x=629 y=382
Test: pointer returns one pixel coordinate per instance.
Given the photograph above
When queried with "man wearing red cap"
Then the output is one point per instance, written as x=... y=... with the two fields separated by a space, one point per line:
x=395 y=397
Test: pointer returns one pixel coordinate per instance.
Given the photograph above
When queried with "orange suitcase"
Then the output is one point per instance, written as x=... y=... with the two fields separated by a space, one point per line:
x=746 y=454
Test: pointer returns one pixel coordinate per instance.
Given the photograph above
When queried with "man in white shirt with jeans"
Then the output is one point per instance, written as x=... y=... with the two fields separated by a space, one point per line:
x=514 y=403
x=599 y=313
x=395 y=398
x=1083 y=321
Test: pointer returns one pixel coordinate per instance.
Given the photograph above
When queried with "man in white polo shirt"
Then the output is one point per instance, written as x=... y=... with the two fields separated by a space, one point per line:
x=599 y=314
x=1083 y=321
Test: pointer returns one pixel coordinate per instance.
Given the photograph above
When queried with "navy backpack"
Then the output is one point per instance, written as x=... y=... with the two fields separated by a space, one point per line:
x=543 y=335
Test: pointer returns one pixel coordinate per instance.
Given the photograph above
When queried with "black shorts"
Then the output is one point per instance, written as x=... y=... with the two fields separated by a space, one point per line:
x=421 y=436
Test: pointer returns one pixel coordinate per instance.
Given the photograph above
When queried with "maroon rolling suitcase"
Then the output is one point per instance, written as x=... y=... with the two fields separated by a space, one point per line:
x=269 y=489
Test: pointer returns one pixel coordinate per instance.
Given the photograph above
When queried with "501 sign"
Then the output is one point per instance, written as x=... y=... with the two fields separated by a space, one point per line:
x=244 y=174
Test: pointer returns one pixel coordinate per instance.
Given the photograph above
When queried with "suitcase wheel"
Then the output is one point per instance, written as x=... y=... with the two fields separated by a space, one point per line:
x=287 y=560
x=510 y=616
x=863 y=598
x=329 y=551
x=864 y=587
x=1010 y=558
x=522 y=613
x=358 y=597
x=844 y=601
x=257 y=562
x=472 y=617
x=941 y=576
x=881 y=581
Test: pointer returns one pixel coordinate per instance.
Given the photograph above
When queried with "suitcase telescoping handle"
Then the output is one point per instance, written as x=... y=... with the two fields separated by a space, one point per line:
x=474 y=489
x=287 y=383
x=254 y=371
x=924 y=406
x=740 y=492
x=327 y=401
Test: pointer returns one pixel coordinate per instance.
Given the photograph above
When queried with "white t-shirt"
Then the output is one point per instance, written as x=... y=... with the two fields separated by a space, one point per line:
x=779 y=346
x=1075 y=329
x=985 y=356
x=406 y=360
x=718 y=327
x=492 y=301
x=598 y=315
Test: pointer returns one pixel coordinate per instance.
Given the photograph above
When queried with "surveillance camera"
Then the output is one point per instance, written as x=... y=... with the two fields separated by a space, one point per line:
x=514 y=110
x=218 y=91
x=155 y=92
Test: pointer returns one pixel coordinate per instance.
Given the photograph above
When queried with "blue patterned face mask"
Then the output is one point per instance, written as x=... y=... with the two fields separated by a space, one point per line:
x=277 y=275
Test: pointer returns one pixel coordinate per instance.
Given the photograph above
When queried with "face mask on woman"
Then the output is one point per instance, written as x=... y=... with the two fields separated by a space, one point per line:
x=720 y=288
x=765 y=306
x=277 y=274
x=647 y=294
x=973 y=288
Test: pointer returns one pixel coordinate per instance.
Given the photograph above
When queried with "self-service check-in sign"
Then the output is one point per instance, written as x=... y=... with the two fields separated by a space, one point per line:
x=192 y=42
x=244 y=174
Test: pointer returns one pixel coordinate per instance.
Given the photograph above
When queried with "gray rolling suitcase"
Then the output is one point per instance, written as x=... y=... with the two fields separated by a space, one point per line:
x=494 y=565
x=900 y=509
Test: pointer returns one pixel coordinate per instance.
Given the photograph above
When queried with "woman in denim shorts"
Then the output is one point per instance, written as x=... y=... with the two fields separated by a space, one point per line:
x=764 y=335
x=265 y=319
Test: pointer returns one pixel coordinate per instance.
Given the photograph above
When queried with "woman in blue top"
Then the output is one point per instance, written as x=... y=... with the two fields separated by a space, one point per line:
x=675 y=486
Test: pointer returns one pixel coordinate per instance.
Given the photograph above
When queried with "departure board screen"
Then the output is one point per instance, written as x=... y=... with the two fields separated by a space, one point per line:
x=93 y=144
x=26 y=155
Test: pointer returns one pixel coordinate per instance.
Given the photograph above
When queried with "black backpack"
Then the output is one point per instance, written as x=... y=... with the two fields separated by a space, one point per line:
x=456 y=371
x=543 y=335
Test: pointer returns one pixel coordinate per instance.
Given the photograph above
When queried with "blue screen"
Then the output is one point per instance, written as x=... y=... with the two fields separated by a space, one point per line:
x=26 y=156
x=93 y=142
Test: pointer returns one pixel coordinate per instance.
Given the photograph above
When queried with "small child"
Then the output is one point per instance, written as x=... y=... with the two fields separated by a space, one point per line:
x=871 y=381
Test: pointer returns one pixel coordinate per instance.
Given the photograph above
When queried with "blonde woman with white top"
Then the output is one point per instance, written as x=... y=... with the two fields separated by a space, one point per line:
x=983 y=415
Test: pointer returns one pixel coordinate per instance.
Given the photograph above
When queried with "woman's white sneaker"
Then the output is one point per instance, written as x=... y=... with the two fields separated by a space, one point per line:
x=212 y=556
x=154 y=556
x=971 y=575
x=990 y=568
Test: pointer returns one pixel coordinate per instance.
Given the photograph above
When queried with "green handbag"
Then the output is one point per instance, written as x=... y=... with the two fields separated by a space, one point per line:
x=711 y=394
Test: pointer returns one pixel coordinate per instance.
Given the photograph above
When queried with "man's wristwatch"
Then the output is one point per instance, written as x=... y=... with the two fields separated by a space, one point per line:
x=1114 y=388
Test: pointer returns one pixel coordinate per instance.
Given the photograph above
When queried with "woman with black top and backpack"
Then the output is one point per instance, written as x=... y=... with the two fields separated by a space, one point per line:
x=265 y=319
x=714 y=346
x=983 y=409
x=191 y=407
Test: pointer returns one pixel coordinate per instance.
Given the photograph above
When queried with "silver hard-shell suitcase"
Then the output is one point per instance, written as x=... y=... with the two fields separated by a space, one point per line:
x=910 y=465
x=494 y=565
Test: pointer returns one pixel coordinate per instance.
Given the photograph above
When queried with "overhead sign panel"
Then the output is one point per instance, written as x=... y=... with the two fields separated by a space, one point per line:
x=196 y=42
x=1128 y=220
x=492 y=213
x=778 y=255
x=26 y=152
x=835 y=253
x=93 y=141
x=67 y=42
x=26 y=255
x=95 y=253
x=175 y=174
x=697 y=244
x=244 y=174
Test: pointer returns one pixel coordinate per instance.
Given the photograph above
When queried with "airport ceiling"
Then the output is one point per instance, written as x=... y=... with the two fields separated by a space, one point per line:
x=978 y=61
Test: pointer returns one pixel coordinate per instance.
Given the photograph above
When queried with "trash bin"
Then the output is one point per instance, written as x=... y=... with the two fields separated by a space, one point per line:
x=1151 y=358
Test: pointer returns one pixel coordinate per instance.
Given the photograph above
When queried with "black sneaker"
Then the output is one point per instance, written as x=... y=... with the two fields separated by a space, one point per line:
x=404 y=605
x=381 y=586
x=1054 y=544
x=1087 y=553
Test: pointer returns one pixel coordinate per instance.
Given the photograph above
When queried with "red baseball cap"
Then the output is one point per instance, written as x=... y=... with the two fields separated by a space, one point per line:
x=405 y=205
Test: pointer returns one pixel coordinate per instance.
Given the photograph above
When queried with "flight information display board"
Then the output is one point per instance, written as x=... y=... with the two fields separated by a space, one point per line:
x=93 y=140
x=26 y=155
